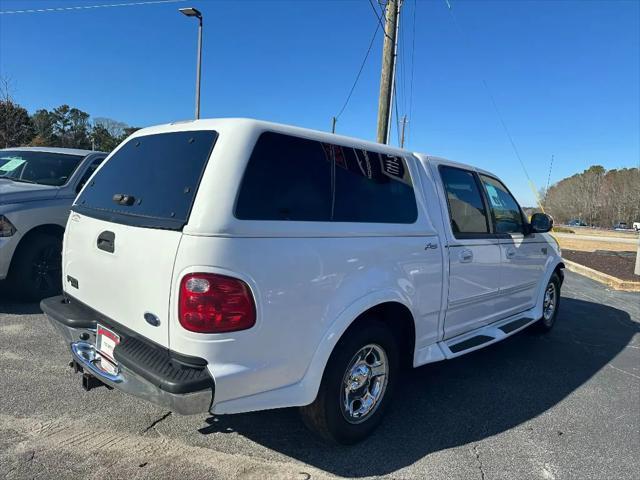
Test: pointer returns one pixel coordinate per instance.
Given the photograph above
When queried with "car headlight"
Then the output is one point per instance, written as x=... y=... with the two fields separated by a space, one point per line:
x=6 y=227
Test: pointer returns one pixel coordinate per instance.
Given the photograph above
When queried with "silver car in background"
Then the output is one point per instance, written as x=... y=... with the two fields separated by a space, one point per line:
x=37 y=188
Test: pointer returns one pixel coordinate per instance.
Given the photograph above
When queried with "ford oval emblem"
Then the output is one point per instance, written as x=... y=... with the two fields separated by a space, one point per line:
x=151 y=319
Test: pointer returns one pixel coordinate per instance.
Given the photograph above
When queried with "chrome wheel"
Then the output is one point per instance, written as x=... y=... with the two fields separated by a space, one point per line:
x=364 y=383
x=550 y=303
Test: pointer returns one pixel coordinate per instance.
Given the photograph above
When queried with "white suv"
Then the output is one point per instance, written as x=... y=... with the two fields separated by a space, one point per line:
x=37 y=188
x=235 y=265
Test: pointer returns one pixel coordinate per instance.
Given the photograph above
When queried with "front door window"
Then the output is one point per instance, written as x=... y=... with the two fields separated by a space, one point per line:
x=504 y=208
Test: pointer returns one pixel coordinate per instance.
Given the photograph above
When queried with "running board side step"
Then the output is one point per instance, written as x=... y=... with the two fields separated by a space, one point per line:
x=484 y=336
x=470 y=343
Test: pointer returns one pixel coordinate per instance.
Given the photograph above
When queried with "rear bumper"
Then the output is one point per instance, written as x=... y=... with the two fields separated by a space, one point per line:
x=145 y=370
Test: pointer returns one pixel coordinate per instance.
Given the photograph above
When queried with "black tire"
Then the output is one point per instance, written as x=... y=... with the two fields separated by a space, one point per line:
x=546 y=322
x=325 y=415
x=36 y=268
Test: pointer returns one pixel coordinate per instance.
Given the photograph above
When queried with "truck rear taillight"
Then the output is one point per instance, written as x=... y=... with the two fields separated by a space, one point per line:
x=211 y=303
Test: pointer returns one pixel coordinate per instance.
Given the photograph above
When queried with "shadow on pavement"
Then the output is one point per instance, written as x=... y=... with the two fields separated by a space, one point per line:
x=457 y=402
x=9 y=304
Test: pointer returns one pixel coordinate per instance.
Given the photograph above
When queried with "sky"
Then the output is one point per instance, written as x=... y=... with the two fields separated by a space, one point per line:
x=563 y=75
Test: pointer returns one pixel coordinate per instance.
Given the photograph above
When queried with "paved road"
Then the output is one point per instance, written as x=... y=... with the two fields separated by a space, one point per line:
x=596 y=238
x=563 y=406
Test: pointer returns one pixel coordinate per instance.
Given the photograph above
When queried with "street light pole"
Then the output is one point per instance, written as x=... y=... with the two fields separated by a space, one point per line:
x=192 y=12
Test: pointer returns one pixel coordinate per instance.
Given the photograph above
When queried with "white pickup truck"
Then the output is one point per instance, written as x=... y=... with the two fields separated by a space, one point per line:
x=235 y=265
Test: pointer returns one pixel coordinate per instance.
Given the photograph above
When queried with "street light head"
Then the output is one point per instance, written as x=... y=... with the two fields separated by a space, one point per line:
x=191 y=12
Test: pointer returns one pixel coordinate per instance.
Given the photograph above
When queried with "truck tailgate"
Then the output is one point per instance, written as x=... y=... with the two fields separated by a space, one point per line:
x=121 y=271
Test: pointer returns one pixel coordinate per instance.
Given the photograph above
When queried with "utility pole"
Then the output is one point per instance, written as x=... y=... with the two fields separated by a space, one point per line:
x=389 y=51
x=404 y=125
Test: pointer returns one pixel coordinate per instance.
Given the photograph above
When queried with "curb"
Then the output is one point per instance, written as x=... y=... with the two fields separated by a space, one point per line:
x=611 y=281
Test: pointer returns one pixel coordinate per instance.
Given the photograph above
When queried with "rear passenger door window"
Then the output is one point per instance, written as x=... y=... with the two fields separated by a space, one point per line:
x=466 y=207
x=506 y=212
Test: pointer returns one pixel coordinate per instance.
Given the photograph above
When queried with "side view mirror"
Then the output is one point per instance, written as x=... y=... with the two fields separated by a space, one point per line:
x=541 y=223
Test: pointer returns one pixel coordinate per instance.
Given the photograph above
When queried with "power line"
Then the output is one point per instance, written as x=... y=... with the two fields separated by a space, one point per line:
x=494 y=103
x=413 y=50
x=364 y=61
x=404 y=73
x=87 y=7
x=401 y=60
x=546 y=190
x=375 y=12
x=395 y=102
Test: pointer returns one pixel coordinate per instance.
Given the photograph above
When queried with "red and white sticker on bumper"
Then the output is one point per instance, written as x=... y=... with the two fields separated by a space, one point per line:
x=106 y=341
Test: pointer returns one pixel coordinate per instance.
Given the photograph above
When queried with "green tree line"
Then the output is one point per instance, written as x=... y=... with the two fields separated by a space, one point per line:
x=596 y=196
x=63 y=126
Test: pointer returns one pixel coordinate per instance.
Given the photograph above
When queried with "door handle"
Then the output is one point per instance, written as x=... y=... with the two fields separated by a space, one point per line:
x=510 y=253
x=106 y=241
x=466 y=256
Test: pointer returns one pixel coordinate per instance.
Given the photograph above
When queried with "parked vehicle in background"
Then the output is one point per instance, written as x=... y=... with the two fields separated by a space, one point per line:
x=234 y=265
x=621 y=226
x=636 y=226
x=37 y=188
x=576 y=223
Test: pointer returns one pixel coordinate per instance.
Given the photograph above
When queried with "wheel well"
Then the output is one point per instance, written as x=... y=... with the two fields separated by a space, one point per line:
x=399 y=320
x=48 y=229
x=559 y=271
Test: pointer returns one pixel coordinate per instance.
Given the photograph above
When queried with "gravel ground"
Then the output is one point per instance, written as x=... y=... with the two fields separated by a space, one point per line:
x=561 y=406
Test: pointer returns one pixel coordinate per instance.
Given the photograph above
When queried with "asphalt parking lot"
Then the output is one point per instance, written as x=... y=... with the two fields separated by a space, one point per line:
x=563 y=406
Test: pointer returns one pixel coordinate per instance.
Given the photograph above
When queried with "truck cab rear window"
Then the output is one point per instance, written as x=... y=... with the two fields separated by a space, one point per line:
x=151 y=181
x=292 y=178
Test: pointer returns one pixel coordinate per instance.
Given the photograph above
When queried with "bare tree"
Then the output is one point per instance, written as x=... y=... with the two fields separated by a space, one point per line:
x=115 y=128
x=597 y=196
x=15 y=125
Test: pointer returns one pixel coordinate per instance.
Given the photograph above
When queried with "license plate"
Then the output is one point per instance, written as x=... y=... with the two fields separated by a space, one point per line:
x=106 y=341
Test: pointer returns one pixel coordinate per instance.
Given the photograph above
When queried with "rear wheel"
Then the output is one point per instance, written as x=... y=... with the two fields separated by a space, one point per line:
x=550 y=304
x=356 y=386
x=36 y=268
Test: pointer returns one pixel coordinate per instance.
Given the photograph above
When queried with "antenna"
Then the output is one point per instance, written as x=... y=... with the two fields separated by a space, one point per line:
x=546 y=189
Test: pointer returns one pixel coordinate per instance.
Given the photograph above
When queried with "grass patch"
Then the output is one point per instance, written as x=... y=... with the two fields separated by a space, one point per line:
x=563 y=230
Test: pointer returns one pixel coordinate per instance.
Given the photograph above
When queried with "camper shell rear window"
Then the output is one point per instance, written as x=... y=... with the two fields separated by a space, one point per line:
x=151 y=181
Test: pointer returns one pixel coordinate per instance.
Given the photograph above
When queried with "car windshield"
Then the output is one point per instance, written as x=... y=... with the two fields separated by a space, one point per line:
x=38 y=167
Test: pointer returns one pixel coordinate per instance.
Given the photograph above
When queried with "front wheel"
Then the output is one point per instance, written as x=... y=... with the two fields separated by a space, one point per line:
x=550 y=305
x=356 y=386
x=36 y=268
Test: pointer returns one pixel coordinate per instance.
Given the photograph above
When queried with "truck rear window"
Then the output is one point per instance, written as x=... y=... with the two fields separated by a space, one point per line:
x=151 y=181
